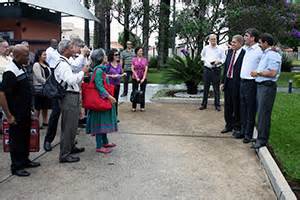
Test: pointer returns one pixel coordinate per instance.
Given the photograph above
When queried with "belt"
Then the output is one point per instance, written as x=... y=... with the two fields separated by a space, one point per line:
x=247 y=80
x=267 y=83
x=212 y=68
x=72 y=92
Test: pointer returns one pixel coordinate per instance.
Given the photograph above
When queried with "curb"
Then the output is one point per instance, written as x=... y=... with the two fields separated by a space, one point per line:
x=183 y=100
x=282 y=189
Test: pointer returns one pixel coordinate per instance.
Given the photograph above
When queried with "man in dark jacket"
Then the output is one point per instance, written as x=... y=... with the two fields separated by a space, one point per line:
x=231 y=85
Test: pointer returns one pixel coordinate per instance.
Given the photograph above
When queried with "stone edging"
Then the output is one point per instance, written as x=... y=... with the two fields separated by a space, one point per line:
x=183 y=100
x=282 y=189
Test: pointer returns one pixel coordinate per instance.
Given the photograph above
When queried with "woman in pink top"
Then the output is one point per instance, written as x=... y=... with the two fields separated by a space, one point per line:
x=139 y=70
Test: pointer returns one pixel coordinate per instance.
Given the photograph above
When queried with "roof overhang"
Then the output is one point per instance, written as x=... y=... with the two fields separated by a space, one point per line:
x=67 y=7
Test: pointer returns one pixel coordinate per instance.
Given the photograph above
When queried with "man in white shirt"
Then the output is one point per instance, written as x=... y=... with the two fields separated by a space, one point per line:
x=213 y=57
x=4 y=59
x=70 y=104
x=248 y=85
x=52 y=53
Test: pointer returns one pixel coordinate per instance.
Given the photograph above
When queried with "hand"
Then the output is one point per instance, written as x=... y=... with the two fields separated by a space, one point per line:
x=85 y=69
x=11 y=119
x=84 y=51
x=137 y=79
x=112 y=99
x=222 y=87
x=142 y=81
x=254 y=74
x=124 y=74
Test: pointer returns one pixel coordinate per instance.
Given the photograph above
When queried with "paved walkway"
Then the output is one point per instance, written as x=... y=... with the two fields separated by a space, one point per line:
x=171 y=151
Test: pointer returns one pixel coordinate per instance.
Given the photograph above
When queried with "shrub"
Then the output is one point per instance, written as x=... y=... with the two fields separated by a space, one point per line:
x=187 y=70
x=297 y=80
x=153 y=62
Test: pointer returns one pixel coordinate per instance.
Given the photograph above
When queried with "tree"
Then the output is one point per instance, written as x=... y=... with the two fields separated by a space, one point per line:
x=164 y=33
x=136 y=41
x=87 y=4
x=146 y=20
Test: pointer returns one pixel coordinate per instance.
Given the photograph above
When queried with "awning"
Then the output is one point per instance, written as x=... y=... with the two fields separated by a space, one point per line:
x=69 y=7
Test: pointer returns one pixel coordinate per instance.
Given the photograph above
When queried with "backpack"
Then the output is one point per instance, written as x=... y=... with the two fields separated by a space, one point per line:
x=52 y=88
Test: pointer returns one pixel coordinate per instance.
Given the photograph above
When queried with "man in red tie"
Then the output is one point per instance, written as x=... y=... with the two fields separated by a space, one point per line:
x=231 y=85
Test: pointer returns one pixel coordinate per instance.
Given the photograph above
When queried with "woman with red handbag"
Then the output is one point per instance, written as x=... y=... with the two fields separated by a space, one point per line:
x=101 y=120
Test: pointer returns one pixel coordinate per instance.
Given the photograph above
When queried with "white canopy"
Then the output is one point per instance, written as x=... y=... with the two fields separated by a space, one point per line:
x=70 y=7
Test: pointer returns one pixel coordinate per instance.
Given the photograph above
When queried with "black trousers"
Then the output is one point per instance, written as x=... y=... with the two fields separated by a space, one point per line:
x=211 y=76
x=116 y=96
x=232 y=105
x=53 y=121
x=126 y=81
x=19 y=138
x=248 y=107
x=266 y=94
x=135 y=86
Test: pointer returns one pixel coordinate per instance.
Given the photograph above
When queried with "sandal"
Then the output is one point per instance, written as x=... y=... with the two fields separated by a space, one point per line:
x=103 y=150
x=142 y=109
x=133 y=110
x=110 y=145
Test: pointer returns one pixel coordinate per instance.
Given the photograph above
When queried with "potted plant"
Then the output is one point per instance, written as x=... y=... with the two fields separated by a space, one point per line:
x=186 y=70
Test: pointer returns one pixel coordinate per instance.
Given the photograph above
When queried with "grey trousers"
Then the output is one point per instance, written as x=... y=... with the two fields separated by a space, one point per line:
x=70 y=110
x=266 y=94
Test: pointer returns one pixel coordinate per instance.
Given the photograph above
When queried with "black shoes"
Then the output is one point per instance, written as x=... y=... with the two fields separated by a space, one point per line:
x=226 y=130
x=246 y=140
x=47 y=146
x=218 y=108
x=123 y=95
x=202 y=107
x=77 y=150
x=257 y=145
x=237 y=134
x=20 y=172
x=32 y=164
x=69 y=159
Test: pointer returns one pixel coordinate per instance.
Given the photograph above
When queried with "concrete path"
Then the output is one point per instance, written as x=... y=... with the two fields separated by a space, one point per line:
x=171 y=151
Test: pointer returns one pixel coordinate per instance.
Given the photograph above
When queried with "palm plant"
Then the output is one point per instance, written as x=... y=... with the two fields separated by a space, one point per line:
x=187 y=70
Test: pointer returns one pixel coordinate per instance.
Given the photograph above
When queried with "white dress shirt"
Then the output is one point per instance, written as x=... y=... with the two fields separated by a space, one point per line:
x=52 y=57
x=210 y=54
x=64 y=73
x=78 y=63
x=251 y=59
x=4 y=61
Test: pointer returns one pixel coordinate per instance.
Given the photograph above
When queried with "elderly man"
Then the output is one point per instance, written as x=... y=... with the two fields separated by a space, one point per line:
x=231 y=84
x=4 y=59
x=16 y=102
x=213 y=57
x=70 y=104
x=266 y=75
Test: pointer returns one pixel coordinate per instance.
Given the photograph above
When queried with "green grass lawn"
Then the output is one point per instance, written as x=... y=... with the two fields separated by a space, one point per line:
x=285 y=133
x=284 y=78
x=296 y=62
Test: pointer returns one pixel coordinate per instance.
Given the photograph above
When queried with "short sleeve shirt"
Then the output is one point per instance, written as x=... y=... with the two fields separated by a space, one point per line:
x=139 y=65
x=127 y=56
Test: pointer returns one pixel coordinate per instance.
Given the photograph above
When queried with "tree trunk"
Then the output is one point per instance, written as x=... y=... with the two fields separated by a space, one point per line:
x=107 y=25
x=86 y=26
x=99 y=29
x=127 y=4
x=146 y=20
x=163 y=35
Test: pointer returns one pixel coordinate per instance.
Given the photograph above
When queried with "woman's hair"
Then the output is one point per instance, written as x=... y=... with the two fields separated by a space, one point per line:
x=38 y=55
x=137 y=49
x=97 y=57
x=110 y=55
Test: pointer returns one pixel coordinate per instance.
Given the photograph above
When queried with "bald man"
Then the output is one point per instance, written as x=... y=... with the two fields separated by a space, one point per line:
x=17 y=92
x=213 y=57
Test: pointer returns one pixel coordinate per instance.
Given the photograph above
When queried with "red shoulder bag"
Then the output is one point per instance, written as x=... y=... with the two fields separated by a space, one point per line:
x=91 y=98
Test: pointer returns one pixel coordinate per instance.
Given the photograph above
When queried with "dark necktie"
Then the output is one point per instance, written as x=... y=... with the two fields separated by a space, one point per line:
x=230 y=68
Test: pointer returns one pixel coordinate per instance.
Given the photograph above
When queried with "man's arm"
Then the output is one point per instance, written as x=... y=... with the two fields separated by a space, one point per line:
x=4 y=105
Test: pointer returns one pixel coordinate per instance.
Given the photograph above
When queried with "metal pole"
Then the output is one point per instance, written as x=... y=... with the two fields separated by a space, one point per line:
x=290 y=86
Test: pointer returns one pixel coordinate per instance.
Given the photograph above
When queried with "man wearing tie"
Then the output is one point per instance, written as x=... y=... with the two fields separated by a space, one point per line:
x=231 y=85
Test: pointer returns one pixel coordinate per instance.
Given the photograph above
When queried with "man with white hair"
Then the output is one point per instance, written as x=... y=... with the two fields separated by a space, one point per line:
x=70 y=103
x=4 y=59
x=213 y=57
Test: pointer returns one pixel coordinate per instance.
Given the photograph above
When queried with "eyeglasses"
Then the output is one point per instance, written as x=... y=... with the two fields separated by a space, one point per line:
x=116 y=54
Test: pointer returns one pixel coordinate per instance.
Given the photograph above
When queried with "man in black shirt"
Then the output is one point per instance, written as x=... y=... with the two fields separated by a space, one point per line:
x=17 y=105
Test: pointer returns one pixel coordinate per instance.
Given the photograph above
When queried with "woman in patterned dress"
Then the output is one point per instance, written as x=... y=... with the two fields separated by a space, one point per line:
x=99 y=123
